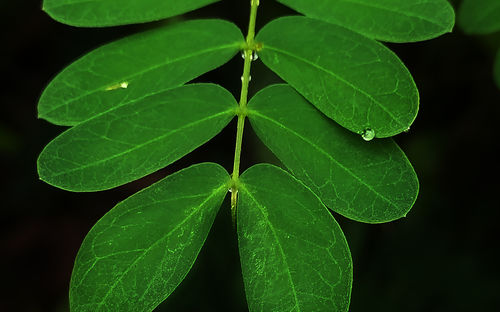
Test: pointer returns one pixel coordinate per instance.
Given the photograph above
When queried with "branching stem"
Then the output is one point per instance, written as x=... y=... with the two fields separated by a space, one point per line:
x=248 y=51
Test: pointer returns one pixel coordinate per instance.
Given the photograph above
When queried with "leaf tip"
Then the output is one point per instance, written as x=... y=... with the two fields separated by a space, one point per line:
x=47 y=9
x=43 y=6
x=40 y=115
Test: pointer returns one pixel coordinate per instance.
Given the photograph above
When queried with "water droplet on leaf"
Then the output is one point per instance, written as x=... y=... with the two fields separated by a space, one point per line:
x=255 y=56
x=121 y=85
x=368 y=134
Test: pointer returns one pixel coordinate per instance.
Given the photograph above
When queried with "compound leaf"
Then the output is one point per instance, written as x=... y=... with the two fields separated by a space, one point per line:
x=366 y=181
x=136 y=139
x=127 y=70
x=294 y=256
x=386 y=20
x=479 y=16
x=141 y=250
x=101 y=13
x=354 y=80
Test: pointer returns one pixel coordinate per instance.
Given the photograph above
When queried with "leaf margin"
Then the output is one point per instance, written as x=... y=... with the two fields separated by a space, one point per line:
x=152 y=188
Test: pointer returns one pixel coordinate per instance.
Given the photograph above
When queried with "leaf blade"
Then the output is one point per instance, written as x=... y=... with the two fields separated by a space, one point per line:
x=294 y=256
x=356 y=81
x=141 y=250
x=92 y=13
x=386 y=20
x=136 y=139
x=370 y=182
x=129 y=69
x=479 y=16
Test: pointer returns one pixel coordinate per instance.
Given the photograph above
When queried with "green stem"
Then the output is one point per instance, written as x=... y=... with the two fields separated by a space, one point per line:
x=242 y=111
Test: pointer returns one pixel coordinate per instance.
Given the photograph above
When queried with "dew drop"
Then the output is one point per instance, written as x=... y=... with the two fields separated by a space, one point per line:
x=249 y=78
x=368 y=134
x=407 y=130
x=255 y=56
x=121 y=85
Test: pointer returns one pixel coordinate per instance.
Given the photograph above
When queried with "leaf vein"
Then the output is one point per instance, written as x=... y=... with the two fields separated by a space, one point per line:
x=273 y=230
x=146 y=250
x=138 y=146
x=339 y=78
x=325 y=153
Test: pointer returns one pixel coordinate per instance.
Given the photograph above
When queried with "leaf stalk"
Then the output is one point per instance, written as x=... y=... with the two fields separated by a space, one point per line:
x=248 y=51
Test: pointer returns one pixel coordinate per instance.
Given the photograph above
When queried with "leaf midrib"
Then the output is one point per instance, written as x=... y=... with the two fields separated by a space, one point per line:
x=230 y=111
x=322 y=151
x=273 y=230
x=389 y=9
x=130 y=77
x=339 y=78
x=142 y=206
x=214 y=192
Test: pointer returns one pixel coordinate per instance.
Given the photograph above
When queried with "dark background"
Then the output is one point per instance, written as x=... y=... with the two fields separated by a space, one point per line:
x=442 y=257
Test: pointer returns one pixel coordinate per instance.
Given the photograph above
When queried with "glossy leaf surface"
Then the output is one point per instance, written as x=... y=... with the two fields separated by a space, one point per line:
x=354 y=80
x=365 y=181
x=141 y=250
x=386 y=20
x=479 y=16
x=100 y=13
x=136 y=139
x=127 y=70
x=294 y=256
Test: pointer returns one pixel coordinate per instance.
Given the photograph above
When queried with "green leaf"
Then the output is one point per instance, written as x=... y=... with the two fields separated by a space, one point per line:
x=294 y=256
x=365 y=181
x=136 y=139
x=127 y=70
x=141 y=250
x=496 y=69
x=479 y=16
x=354 y=80
x=101 y=13
x=386 y=20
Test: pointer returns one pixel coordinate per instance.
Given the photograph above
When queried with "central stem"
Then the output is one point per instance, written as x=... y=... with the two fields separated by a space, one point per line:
x=242 y=111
